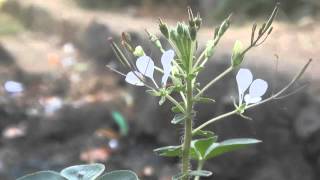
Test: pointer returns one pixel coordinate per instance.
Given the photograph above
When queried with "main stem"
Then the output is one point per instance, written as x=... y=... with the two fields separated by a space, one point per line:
x=187 y=132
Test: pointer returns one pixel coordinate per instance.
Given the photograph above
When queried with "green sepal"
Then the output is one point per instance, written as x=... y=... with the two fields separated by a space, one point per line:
x=178 y=118
x=153 y=93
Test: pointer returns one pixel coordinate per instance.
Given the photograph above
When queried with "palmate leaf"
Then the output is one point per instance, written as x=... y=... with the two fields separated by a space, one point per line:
x=90 y=171
x=43 y=175
x=119 y=175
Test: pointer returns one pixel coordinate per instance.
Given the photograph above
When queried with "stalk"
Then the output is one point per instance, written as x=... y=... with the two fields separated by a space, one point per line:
x=200 y=166
x=187 y=132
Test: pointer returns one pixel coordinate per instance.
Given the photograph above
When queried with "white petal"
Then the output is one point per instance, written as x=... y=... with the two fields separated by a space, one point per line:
x=244 y=79
x=251 y=100
x=13 y=87
x=166 y=59
x=131 y=78
x=145 y=66
x=258 y=88
x=165 y=79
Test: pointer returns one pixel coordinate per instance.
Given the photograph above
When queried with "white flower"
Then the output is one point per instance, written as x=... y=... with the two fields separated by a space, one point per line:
x=257 y=88
x=145 y=66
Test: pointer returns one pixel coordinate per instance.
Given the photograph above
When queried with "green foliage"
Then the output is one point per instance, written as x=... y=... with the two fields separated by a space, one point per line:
x=90 y=171
x=43 y=175
x=207 y=148
x=82 y=172
x=119 y=175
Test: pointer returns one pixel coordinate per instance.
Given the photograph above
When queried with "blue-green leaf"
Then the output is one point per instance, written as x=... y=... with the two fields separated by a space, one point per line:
x=88 y=172
x=169 y=151
x=217 y=149
x=200 y=146
x=119 y=175
x=43 y=175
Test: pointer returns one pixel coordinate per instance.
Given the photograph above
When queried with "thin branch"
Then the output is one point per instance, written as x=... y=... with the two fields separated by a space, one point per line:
x=224 y=73
x=296 y=77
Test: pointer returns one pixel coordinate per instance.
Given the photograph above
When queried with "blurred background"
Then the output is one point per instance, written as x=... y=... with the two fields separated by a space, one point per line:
x=60 y=106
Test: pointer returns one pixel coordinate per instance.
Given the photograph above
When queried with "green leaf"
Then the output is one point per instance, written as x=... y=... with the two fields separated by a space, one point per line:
x=201 y=173
x=119 y=175
x=200 y=147
x=204 y=100
x=178 y=118
x=217 y=149
x=88 y=172
x=43 y=175
x=206 y=134
x=237 y=54
x=169 y=151
x=121 y=122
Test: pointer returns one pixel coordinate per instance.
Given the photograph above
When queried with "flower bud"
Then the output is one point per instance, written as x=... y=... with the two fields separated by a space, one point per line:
x=193 y=33
x=237 y=54
x=164 y=29
x=138 y=51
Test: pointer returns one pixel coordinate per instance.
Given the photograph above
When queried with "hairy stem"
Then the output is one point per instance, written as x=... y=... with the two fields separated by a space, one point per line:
x=187 y=133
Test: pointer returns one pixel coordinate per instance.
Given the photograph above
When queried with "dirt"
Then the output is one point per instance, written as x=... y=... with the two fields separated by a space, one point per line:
x=294 y=44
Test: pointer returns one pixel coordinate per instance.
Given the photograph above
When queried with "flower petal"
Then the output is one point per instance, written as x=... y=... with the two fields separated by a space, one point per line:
x=166 y=59
x=244 y=79
x=145 y=66
x=251 y=100
x=258 y=88
x=132 y=78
